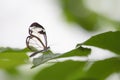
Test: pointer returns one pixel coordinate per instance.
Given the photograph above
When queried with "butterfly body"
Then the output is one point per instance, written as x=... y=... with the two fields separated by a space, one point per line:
x=37 y=39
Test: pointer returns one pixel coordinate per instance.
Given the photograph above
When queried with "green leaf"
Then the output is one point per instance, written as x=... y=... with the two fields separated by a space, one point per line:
x=43 y=58
x=76 y=11
x=100 y=70
x=46 y=56
x=10 y=57
x=80 y=51
x=67 y=70
x=108 y=40
x=75 y=70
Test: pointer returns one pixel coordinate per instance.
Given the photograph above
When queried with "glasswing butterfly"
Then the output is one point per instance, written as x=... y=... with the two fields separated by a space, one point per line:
x=37 y=39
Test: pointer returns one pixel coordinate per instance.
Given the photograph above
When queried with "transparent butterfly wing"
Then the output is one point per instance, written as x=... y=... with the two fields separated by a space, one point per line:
x=37 y=39
x=33 y=43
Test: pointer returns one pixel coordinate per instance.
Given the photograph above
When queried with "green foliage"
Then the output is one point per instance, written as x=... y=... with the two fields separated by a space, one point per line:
x=77 y=70
x=43 y=58
x=61 y=71
x=69 y=70
x=76 y=11
x=109 y=40
x=10 y=58
x=80 y=51
x=100 y=70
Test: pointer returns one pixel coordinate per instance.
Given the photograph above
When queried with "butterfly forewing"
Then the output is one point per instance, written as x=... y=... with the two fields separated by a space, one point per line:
x=37 y=39
x=37 y=30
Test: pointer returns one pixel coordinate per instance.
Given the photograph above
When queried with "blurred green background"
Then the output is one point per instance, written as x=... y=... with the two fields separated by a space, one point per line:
x=91 y=17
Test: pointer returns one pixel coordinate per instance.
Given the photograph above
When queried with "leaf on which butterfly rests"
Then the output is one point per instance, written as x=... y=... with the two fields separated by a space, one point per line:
x=48 y=55
x=33 y=48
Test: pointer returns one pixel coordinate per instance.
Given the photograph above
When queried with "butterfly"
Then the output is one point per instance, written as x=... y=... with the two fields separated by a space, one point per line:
x=37 y=39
